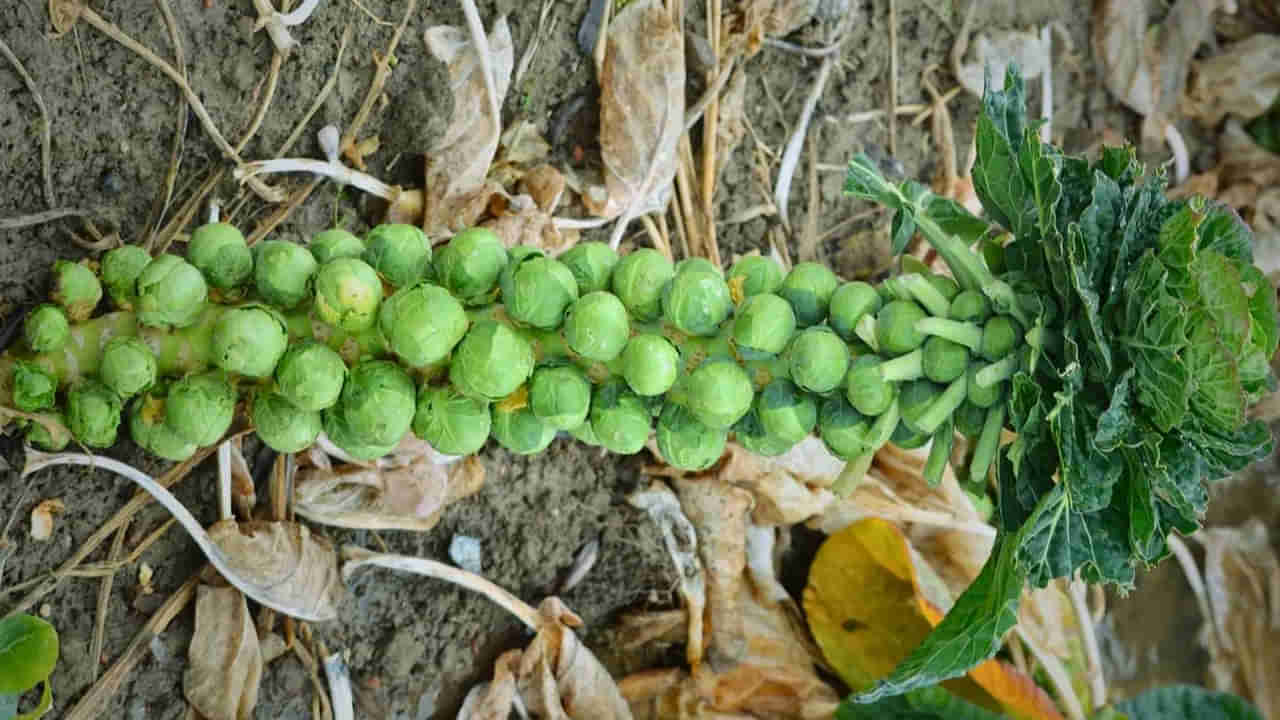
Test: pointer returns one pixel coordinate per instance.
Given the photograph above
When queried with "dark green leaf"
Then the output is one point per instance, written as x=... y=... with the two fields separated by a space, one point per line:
x=1187 y=702
x=1116 y=426
x=933 y=703
x=1222 y=230
x=1040 y=164
x=1119 y=163
x=1218 y=399
x=997 y=175
x=903 y=227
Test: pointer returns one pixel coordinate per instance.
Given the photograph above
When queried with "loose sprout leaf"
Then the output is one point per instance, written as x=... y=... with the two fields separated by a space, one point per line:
x=224 y=661
x=28 y=652
x=1187 y=702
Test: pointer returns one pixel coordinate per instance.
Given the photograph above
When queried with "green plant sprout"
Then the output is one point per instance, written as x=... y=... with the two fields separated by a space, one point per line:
x=28 y=653
x=1121 y=335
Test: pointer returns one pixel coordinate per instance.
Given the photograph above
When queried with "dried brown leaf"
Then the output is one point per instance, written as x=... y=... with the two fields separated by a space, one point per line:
x=1219 y=87
x=493 y=700
x=224 y=662
x=642 y=88
x=296 y=569
x=524 y=223
x=545 y=185
x=458 y=164
x=782 y=493
x=409 y=497
x=42 y=518
x=560 y=678
x=681 y=541
x=243 y=493
x=718 y=512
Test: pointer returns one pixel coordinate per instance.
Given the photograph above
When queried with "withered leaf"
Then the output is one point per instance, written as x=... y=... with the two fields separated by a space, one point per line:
x=493 y=700
x=718 y=512
x=42 y=518
x=293 y=569
x=409 y=497
x=681 y=541
x=224 y=662
x=1218 y=87
x=560 y=678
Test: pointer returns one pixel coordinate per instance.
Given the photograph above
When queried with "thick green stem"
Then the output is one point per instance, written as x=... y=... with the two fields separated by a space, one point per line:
x=963 y=333
x=970 y=272
x=923 y=292
x=904 y=367
x=856 y=468
x=997 y=371
x=942 y=408
x=939 y=453
x=988 y=443
x=866 y=332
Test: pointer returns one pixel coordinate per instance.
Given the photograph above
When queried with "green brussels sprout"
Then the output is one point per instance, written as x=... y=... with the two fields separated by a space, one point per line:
x=763 y=326
x=596 y=326
x=46 y=329
x=120 y=270
x=283 y=272
x=687 y=443
x=422 y=323
x=219 y=251
x=846 y=432
x=866 y=389
x=619 y=418
x=915 y=398
x=785 y=411
x=93 y=413
x=283 y=426
x=335 y=243
x=809 y=287
x=76 y=289
x=560 y=395
x=751 y=434
x=943 y=360
x=945 y=285
x=200 y=407
x=970 y=306
x=754 y=275
x=696 y=301
x=849 y=303
x=592 y=265
x=469 y=266
x=150 y=432
x=1000 y=336
x=34 y=388
x=819 y=360
x=984 y=396
x=586 y=434
x=451 y=422
x=39 y=436
x=520 y=431
x=249 y=340
x=491 y=362
x=348 y=294
x=310 y=375
x=896 y=327
x=377 y=404
x=719 y=393
x=969 y=419
x=536 y=290
x=400 y=253
x=339 y=431
x=638 y=280
x=127 y=366
x=908 y=439
x=699 y=264
x=171 y=293
x=650 y=364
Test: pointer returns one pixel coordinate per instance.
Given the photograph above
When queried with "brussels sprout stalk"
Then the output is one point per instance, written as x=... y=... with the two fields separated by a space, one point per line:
x=856 y=469
x=939 y=453
x=919 y=288
x=997 y=371
x=966 y=334
x=988 y=443
x=904 y=367
x=942 y=408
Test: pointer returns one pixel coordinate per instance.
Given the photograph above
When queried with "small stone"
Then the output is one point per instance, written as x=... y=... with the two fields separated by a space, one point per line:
x=46 y=610
x=465 y=553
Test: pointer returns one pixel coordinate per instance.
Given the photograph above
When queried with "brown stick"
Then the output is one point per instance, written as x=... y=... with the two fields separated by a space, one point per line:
x=379 y=80
x=104 y=603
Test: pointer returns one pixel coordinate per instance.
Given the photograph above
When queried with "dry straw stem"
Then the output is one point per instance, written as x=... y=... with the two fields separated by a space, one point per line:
x=104 y=600
x=45 y=126
x=22 y=221
x=349 y=147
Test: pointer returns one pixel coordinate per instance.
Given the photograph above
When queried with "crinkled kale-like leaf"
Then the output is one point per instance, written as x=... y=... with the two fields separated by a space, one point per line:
x=1187 y=702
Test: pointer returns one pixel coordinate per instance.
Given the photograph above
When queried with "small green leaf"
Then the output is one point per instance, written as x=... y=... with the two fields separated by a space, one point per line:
x=1186 y=702
x=28 y=652
x=864 y=180
x=1222 y=230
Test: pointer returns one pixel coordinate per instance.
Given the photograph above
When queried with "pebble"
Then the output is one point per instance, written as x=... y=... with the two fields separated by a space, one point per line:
x=464 y=550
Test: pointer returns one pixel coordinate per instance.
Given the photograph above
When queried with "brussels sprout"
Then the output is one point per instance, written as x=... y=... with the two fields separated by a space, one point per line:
x=39 y=436
x=915 y=398
x=785 y=411
x=281 y=425
x=763 y=326
x=592 y=265
x=283 y=272
x=984 y=396
x=896 y=331
x=377 y=403
x=969 y=419
x=699 y=264
x=719 y=393
x=46 y=329
x=650 y=364
x=809 y=287
x=150 y=432
x=451 y=422
x=818 y=359
x=696 y=301
x=687 y=443
x=470 y=264
x=520 y=431
x=945 y=285
x=845 y=431
x=619 y=418
x=849 y=303
x=249 y=340
x=638 y=280
x=120 y=270
x=970 y=306
x=171 y=293
x=596 y=326
x=76 y=289
x=536 y=290
x=754 y=275
x=584 y=433
x=34 y=388
x=422 y=323
x=491 y=361
x=400 y=253
x=866 y=388
x=218 y=250
x=560 y=395
x=339 y=431
x=93 y=413
x=310 y=375
x=908 y=439
x=999 y=337
x=943 y=360
x=750 y=434
x=335 y=243
x=348 y=294
x=127 y=366
x=200 y=407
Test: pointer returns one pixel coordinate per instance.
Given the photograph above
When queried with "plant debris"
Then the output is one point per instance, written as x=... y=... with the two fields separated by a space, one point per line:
x=224 y=661
x=42 y=518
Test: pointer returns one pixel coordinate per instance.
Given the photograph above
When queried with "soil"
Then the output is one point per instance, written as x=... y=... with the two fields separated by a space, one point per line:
x=414 y=646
